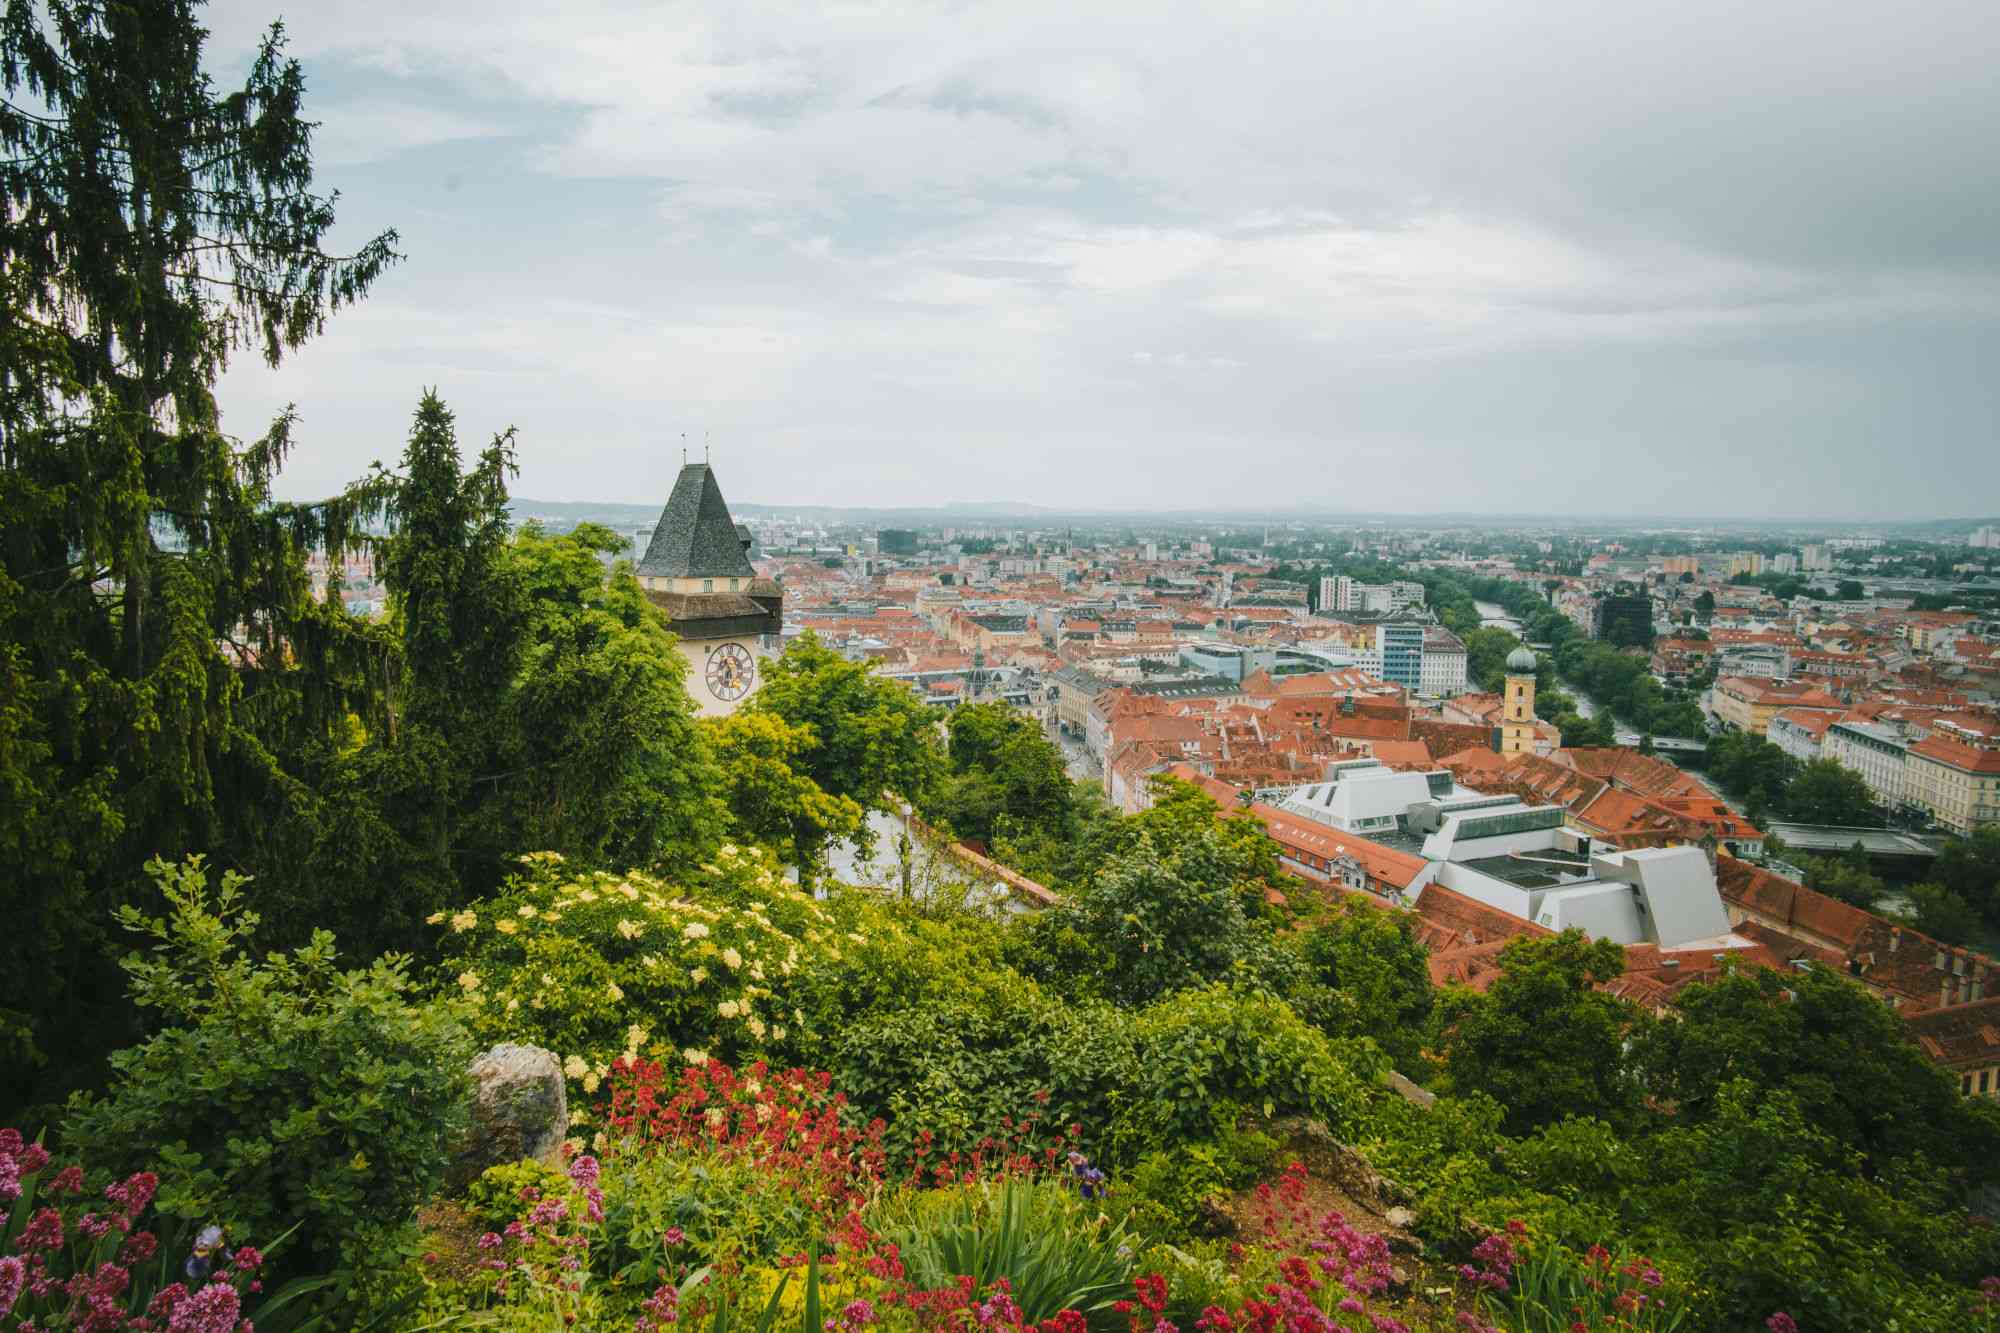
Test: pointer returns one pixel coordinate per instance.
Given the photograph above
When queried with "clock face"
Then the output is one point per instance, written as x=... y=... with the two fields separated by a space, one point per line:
x=731 y=672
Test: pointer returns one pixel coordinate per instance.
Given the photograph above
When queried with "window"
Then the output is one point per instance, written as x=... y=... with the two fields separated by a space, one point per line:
x=732 y=585
x=708 y=585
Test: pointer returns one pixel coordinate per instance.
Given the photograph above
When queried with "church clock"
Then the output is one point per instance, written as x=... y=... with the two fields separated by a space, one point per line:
x=731 y=672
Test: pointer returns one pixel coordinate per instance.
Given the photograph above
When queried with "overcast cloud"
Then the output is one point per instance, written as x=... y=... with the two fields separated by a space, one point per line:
x=1565 y=256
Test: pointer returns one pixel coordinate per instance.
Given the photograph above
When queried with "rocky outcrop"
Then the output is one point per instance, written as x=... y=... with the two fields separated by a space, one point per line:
x=519 y=1110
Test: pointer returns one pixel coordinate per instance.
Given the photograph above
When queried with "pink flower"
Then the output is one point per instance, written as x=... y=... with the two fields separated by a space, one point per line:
x=13 y=1274
x=138 y=1247
x=69 y=1180
x=134 y=1193
x=248 y=1258
x=583 y=1171
x=674 y=1236
x=43 y=1232
x=1781 y=1323
x=213 y=1309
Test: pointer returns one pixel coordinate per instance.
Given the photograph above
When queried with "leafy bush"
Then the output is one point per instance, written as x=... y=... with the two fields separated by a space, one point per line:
x=286 y=1092
x=1171 y=1187
x=951 y=1078
x=1208 y=1055
x=507 y=1192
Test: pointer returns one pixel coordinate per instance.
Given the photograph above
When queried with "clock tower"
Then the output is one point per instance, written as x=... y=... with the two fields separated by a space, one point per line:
x=697 y=569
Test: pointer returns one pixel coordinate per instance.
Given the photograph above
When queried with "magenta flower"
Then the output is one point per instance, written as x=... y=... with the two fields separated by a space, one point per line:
x=674 y=1236
x=1782 y=1323
x=43 y=1232
x=583 y=1171
x=213 y=1309
x=13 y=1274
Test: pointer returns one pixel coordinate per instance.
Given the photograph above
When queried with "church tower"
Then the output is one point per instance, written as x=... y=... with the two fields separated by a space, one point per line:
x=1517 y=711
x=697 y=569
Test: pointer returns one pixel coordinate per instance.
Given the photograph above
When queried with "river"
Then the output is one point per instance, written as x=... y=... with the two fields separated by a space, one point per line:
x=1492 y=615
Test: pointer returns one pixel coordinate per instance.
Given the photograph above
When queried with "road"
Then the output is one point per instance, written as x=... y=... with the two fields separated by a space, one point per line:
x=1076 y=759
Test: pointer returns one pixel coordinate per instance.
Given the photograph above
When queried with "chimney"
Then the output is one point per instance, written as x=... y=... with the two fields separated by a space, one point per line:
x=1895 y=937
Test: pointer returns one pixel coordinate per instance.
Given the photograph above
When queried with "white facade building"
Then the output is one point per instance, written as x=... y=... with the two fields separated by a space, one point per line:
x=1444 y=664
x=1878 y=753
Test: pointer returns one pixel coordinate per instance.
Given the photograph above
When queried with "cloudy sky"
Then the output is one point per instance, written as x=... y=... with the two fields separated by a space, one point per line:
x=1562 y=256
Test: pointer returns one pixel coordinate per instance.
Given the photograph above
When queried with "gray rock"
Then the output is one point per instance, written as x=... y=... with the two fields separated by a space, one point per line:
x=519 y=1110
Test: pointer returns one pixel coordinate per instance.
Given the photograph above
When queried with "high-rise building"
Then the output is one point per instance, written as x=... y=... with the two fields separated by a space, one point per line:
x=896 y=541
x=1399 y=644
x=1746 y=562
x=1815 y=559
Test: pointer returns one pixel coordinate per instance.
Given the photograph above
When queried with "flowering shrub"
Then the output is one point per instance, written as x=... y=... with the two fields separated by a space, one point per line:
x=284 y=1092
x=735 y=965
x=537 y=1269
x=78 y=1256
x=742 y=1166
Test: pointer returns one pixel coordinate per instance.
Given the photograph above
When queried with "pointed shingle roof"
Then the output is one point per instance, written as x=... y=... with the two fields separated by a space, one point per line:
x=696 y=538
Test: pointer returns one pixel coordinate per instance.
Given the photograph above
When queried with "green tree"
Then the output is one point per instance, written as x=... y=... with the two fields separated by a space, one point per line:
x=1373 y=962
x=1970 y=868
x=1161 y=914
x=1849 y=591
x=532 y=700
x=1943 y=915
x=600 y=756
x=1704 y=604
x=1005 y=777
x=873 y=740
x=1544 y=1041
x=160 y=653
x=1823 y=1040
x=771 y=799
x=1825 y=792
x=1847 y=877
x=1486 y=656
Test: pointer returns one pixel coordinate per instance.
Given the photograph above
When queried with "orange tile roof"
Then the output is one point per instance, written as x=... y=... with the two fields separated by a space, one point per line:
x=1957 y=754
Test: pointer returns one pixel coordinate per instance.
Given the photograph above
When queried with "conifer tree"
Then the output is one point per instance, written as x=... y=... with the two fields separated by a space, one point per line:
x=159 y=651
